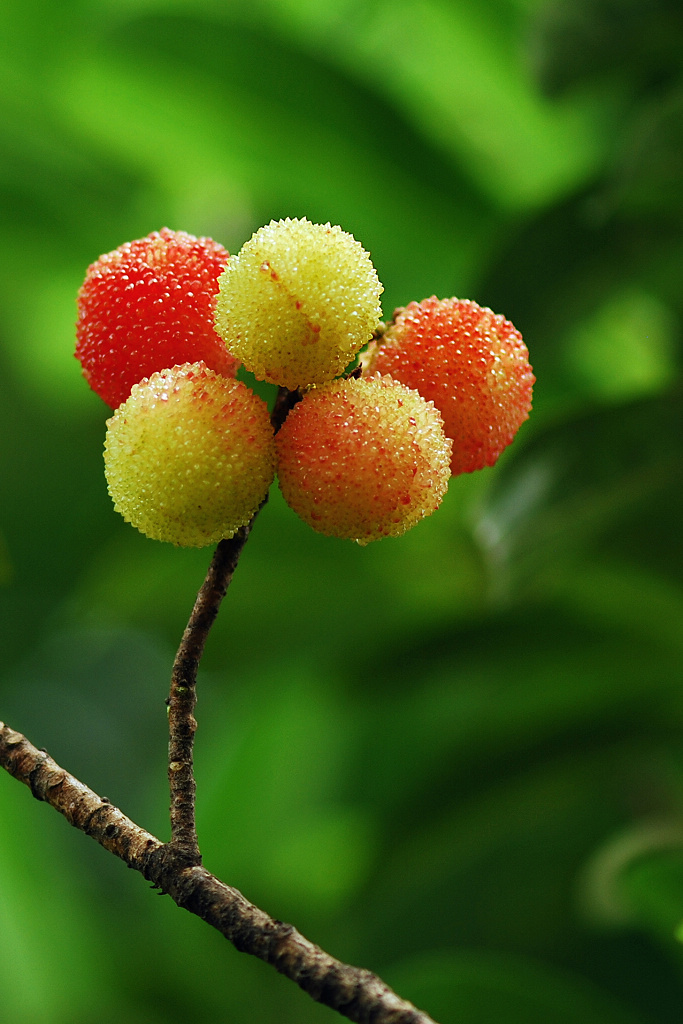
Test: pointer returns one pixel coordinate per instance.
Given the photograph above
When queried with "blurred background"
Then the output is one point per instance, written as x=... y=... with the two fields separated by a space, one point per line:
x=454 y=758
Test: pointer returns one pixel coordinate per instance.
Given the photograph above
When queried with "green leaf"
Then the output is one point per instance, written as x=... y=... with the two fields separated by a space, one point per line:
x=606 y=480
x=40 y=920
x=274 y=813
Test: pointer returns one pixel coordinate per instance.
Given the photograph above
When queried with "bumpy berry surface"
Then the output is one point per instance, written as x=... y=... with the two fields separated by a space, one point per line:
x=149 y=305
x=471 y=363
x=363 y=459
x=189 y=456
x=298 y=302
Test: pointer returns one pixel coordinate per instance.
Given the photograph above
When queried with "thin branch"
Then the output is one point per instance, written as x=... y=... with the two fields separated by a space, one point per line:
x=357 y=994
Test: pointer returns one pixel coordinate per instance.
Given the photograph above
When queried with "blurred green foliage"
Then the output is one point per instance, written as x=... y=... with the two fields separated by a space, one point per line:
x=455 y=758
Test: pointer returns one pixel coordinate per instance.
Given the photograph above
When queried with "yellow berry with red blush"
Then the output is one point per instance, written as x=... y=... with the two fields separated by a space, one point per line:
x=189 y=456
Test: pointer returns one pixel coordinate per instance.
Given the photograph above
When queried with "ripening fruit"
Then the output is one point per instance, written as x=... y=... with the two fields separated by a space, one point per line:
x=363 y=459
x=148 y=305
x=470 y=362
x=189 y=457
x=298 y=302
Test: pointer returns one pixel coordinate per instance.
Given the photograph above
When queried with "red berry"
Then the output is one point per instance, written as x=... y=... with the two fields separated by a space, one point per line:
x=147 y=306
x=470 y=362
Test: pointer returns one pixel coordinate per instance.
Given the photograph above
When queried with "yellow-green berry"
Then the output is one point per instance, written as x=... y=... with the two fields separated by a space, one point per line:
x=190 y=455
x=363 y=459
x=298 y=302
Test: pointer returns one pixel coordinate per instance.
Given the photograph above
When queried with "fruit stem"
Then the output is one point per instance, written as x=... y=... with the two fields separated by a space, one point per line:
x=182 y=699
x=183 y=696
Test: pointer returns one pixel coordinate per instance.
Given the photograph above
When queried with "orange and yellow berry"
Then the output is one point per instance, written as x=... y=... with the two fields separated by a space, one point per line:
x=363 y=459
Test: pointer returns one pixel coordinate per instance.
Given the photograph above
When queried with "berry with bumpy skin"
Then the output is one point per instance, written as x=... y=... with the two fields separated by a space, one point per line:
x=363 y=459
x=470 y=362
x=149 y=305
x=298 y=302
x=189 y=457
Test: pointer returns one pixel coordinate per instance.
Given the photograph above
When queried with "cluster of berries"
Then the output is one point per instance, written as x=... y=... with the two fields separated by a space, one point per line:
x=165 y=322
